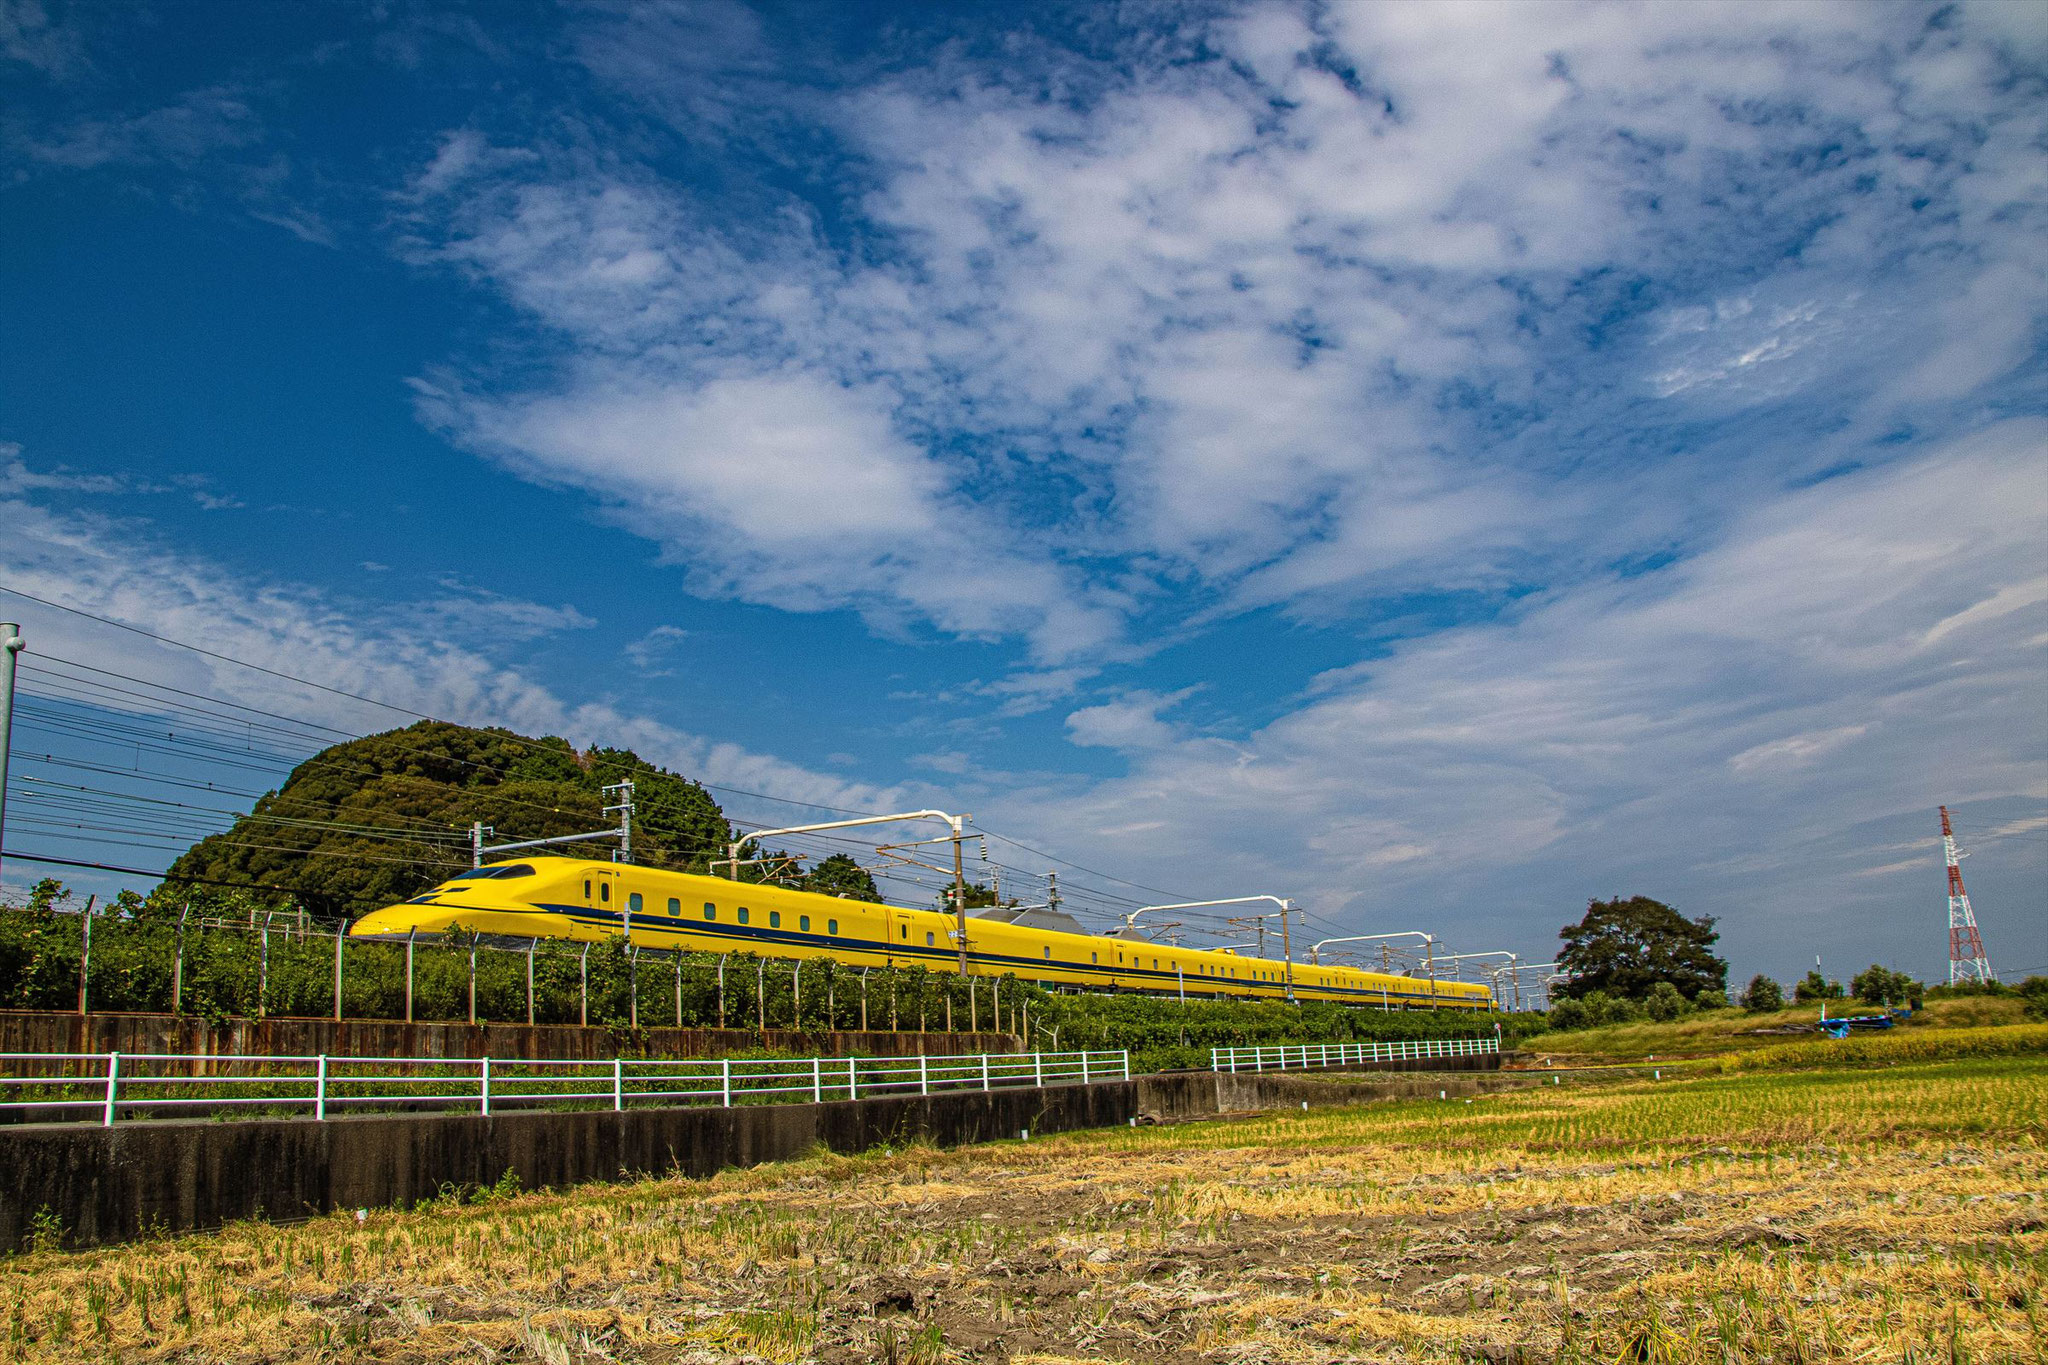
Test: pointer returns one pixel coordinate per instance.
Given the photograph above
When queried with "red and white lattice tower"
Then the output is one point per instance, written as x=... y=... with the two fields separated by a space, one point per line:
x=1966 y=960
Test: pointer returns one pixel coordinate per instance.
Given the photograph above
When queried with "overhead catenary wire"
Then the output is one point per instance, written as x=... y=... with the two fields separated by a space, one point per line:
x=221 y=753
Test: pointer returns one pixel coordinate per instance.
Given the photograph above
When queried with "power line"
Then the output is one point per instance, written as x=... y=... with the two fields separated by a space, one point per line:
x=419 y=715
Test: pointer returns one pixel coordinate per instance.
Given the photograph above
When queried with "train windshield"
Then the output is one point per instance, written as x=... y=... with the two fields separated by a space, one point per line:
x=483 y=873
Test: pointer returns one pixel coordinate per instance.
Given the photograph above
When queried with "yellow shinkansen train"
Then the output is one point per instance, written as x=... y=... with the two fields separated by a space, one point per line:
x=577 y=899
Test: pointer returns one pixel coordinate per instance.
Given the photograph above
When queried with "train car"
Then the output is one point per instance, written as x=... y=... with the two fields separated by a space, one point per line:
x=590 y=901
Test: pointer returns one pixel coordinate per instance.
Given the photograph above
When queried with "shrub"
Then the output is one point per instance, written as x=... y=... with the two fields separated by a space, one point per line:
x=1710 y=1000
x=1568 y=1014
x=1763 y=995
x=1664 y=1003
x=2034 y=990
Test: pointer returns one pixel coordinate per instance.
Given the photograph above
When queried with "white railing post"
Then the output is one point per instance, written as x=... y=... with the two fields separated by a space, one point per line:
x=1127 y=1063
x=320 y=1089
x=113 y=1087
x=853 y=1078
x=484 y=1087
x=618 y=1084
x=725 y=1082
x=924 y=1074
x=984 y=1071
x=1084 y=1066
x=1038 y=1069
x=817 y=1080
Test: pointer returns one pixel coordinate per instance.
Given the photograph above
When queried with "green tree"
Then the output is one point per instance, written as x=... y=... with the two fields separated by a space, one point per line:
x=1882 y=986
x=373 y=821
x=1763 y=995
x=1625 y=947
x=977 y=896
x=840 y=875
x=1814 y=986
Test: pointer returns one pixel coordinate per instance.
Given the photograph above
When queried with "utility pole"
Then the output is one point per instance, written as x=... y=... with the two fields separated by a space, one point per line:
x=960 y=899
x=10 y=647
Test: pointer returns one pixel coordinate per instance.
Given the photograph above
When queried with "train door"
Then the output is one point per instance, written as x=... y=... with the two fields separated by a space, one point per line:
x=603 y=894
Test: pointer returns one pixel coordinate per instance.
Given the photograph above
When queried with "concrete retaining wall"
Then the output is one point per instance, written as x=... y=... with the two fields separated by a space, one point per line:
x=113 y=1184
x=49 y=1031
x=107 y=1184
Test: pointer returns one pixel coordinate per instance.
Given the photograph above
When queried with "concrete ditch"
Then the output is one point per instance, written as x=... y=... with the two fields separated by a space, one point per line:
x=112 y=1184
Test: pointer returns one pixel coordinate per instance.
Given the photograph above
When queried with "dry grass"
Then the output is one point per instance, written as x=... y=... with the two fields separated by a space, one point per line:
x=1891 y=1214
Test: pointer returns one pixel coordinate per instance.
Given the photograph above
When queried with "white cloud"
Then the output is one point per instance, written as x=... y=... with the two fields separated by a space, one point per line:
x=435 y=656
x=1131 y=722
x=1745 y=732
x=1300 y=319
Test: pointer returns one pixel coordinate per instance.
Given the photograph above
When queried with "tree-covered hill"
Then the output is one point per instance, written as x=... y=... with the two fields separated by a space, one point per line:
x=375 y=820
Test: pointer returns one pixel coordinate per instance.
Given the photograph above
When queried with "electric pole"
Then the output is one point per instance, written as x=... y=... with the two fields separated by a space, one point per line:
x=10 y=648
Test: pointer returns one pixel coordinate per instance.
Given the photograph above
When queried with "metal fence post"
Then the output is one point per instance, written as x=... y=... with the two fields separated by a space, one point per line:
x=1038 y=1069
x=817 y=1080
x=339 y=935
x=924 y=1077
x=1084 y=1066
x=532 y=946
x=408 y=973
x=984 y=1071
x=113 y=1087
x=852 y=1078
x=725 y=1082
x=583 y=987
x=1127 y=1063
x=320 y=1089
x=484 y=1089
x=472 y=978
x=618 y=1083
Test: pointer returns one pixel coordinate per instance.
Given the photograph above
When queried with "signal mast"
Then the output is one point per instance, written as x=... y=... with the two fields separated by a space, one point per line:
x=1966 y=960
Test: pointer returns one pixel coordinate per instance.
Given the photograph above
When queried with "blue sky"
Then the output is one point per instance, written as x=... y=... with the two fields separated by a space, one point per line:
x=1438 y=462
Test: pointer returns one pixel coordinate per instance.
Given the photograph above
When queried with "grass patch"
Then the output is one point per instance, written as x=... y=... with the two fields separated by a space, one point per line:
x=1721 y=1031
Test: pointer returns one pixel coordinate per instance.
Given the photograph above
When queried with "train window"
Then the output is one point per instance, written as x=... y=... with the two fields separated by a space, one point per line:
x=774 y=919
x=1093 y=958
x=675 y=907
x=803 y=922
x=1155 y=964
x=633 y=902
x=903 y=930
x=710 y=910
x=928 y=939
x=586 y=888
x=604 y=891
x=743 y=914
x=1048 y=954
x=831 y=926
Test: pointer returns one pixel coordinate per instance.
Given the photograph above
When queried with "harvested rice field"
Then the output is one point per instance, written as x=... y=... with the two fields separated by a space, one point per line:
x=1885 y=1213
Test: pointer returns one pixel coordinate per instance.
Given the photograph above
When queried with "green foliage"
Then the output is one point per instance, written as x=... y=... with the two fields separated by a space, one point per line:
x=2034 y=990
x=1763 y=995
x=1664 y=1003
x=1814 y=986
x=389 y=816
x=840 y=875
x=1625 y=947
x=975 y=894
x=1883 y=986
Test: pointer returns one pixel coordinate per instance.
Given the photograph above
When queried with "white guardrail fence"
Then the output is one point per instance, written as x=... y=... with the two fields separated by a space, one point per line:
x=105 y=1086
x=1302 y=1056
